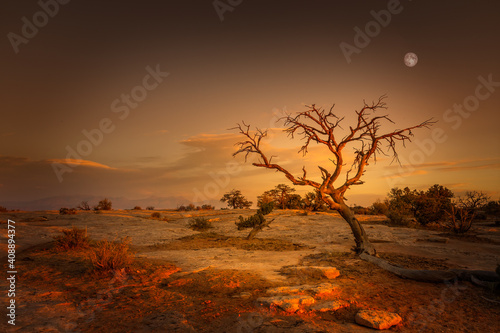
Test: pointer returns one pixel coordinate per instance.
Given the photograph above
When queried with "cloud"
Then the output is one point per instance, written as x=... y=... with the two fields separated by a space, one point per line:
x=82 y=163
x=157 y=133
x=407 y=174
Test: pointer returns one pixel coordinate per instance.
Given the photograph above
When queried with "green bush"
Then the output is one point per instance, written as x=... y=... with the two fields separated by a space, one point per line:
x=253 y=221
x=72 y=239
x=199 y=224
x=266 y=208
x=106 y=255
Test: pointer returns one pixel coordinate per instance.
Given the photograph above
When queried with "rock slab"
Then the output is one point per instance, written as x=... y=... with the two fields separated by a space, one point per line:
x=313 y=271
x=288 y=303
x=380 y=320
x=320 y=289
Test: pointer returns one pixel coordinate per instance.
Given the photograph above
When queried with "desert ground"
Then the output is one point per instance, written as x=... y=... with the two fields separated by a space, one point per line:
x=188 y=281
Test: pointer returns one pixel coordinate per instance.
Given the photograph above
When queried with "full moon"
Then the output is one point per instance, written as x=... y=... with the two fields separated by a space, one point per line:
x=411 y=59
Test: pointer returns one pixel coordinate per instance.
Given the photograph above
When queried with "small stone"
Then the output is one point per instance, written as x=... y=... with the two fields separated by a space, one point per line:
x=323 y=288
x=380 y=320
x=289 y=303
x=327 y=306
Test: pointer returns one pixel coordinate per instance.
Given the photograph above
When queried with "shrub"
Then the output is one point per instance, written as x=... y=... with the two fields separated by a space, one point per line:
x=182 y=208
x=137 y=208
x=433 y=205
x=150 y=208
x=108 y=255
x=72 y=239
x=397 y=217
x=104 y=204
x=207 y=207
x=190 y=207
x=3 y=209
x=156 y=215
x=257 y=221
x=266 y=208
x=199 y=224
x=67 y=211
x=84 y=205
x=361 y=210
x=379 y=208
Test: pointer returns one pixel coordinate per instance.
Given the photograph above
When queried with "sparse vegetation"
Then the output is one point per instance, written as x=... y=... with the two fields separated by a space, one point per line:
x=200 y=224
x=104 y=204
x=150 y=208
x=67 y=211
x=3 y=209
x=156 y=215
x=257 y=221
x=464 y=210
x=106 y=255
x=84 y=205
x=236 y=200
x=72 y=239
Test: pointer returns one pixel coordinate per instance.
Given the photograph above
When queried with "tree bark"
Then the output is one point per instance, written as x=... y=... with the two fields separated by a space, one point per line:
x=363 y=244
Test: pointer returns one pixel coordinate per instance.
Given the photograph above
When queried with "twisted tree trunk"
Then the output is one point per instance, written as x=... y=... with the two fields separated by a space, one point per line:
x=363 y=244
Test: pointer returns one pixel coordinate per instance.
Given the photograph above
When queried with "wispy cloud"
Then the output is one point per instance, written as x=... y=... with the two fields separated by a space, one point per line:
x=83 y=163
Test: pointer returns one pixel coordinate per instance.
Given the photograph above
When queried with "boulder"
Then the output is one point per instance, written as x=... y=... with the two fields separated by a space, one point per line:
x=380 y=320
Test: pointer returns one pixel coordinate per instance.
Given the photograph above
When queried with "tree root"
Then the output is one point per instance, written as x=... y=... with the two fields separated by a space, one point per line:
x=485 y=279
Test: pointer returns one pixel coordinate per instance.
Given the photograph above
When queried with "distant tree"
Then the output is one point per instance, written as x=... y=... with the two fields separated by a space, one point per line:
x=282 y=196
x=84 y=205
x=137 y=208
x=236 y=200
x=464 y=209
x=3 y=209
x=492 y=208
x=313 y=202
x=150 y=208
x=207 y=207
x=104 y=204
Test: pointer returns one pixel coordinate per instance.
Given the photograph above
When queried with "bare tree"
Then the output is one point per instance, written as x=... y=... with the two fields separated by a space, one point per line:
x=322 y=127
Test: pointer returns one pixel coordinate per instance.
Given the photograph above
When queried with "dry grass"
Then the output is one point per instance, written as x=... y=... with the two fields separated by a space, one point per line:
x=72 y=239
x=106 y=255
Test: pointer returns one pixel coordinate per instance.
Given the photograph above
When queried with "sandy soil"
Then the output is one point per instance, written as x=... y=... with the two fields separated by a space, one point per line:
x=185 y=281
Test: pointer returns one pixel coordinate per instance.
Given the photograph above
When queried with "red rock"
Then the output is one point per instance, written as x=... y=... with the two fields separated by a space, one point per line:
x=380 y=320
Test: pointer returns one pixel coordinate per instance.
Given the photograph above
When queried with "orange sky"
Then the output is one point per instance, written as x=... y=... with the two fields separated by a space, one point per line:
x=145 y=94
